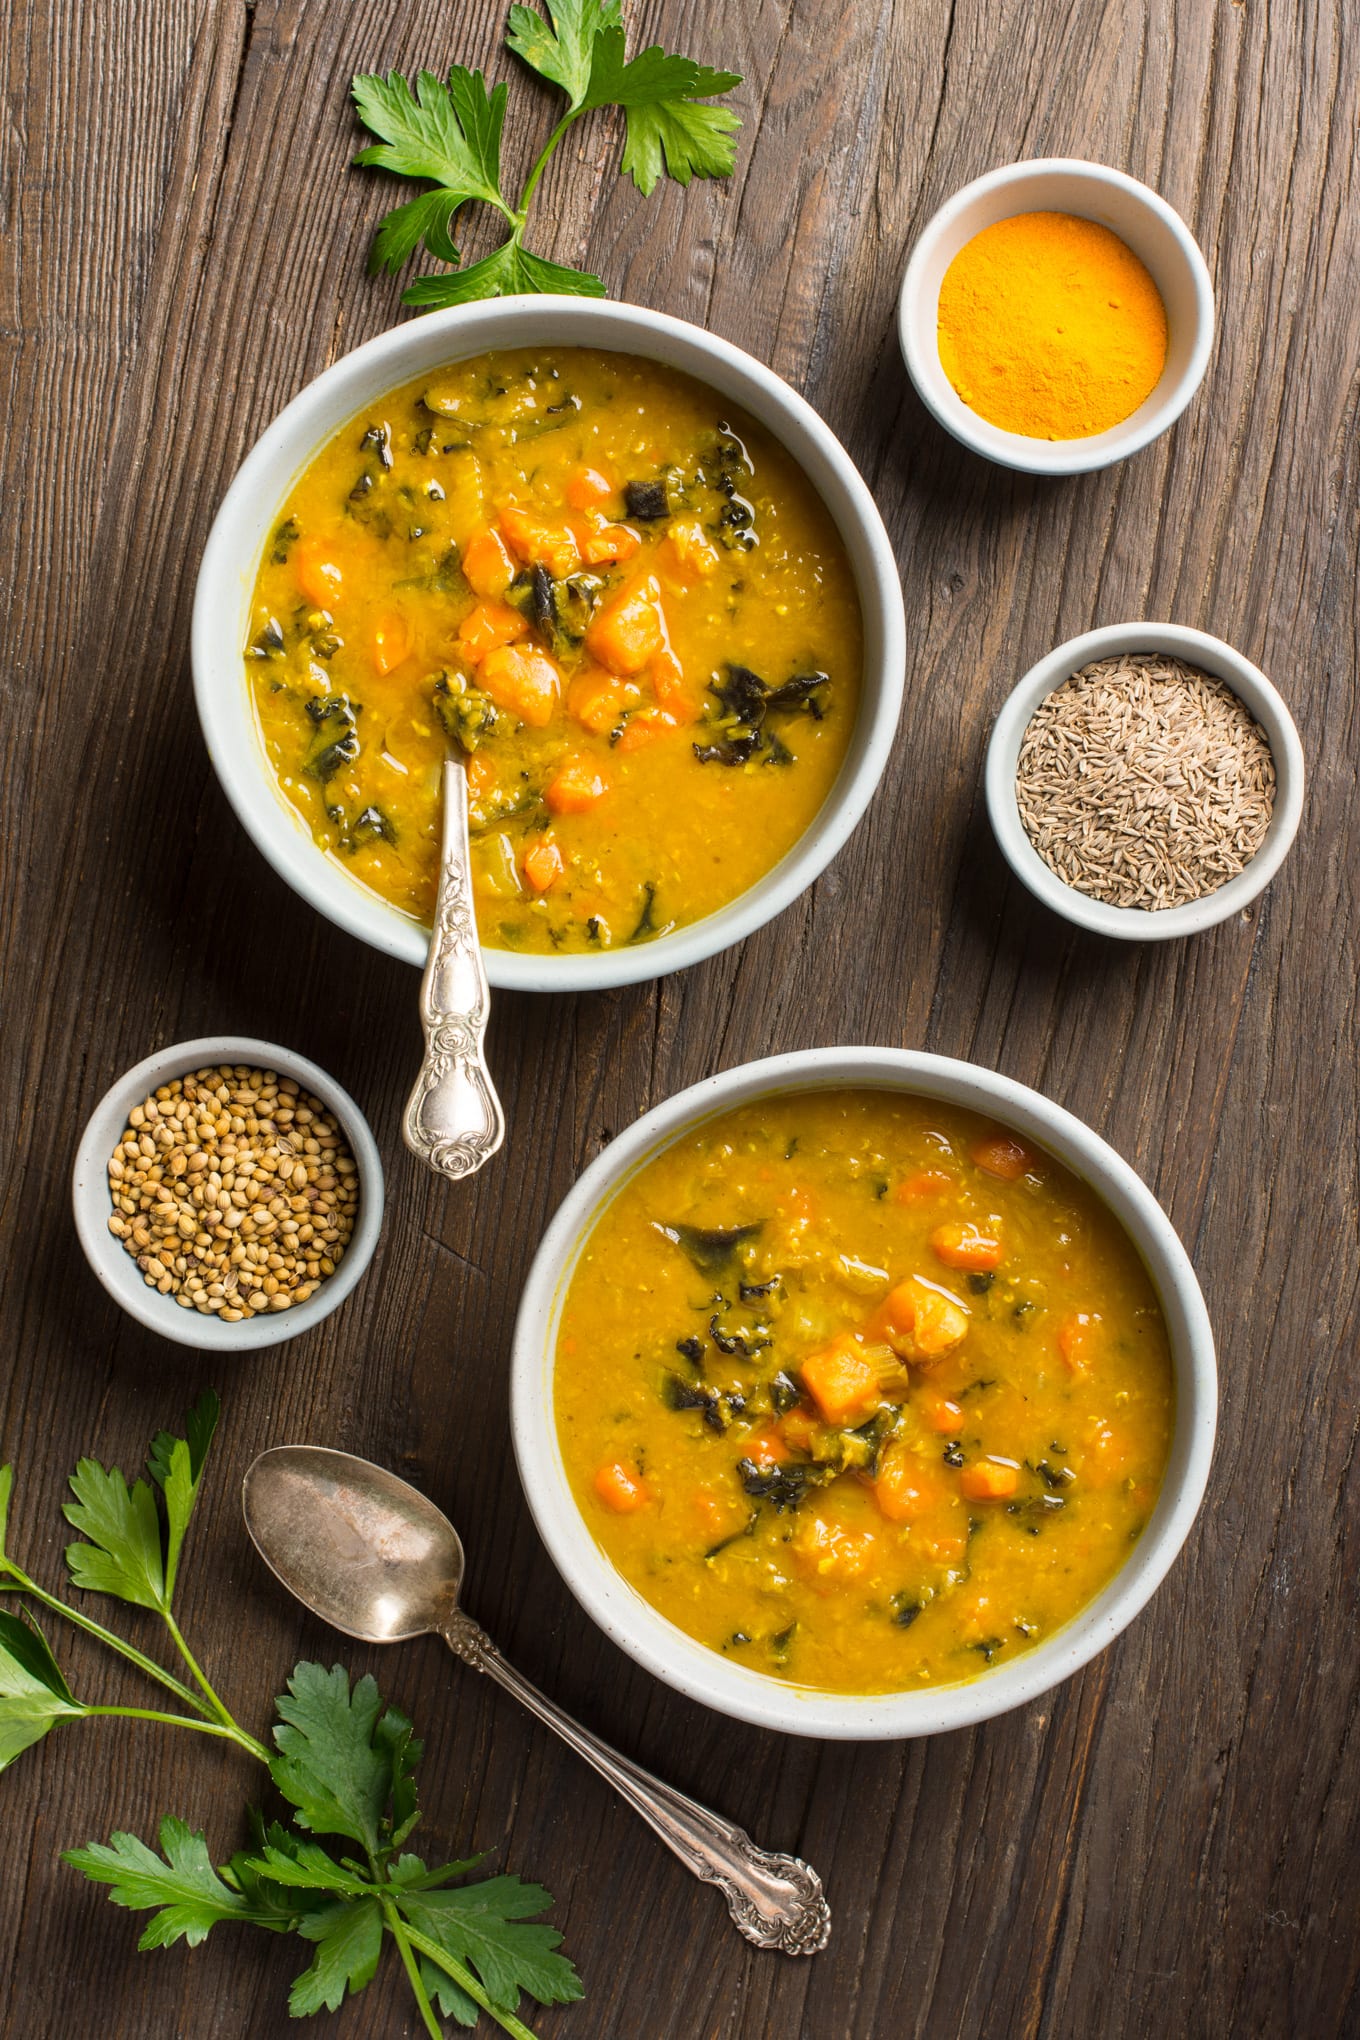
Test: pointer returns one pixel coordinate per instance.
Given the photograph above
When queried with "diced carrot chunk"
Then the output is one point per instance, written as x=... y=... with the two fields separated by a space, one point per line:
x=919 y=1321
x=604 y=545
x=318 y=576
x=842 y=1381
x=941 y=1415
x=644 y=728
x=597 y=699
x=487 y=566
x=964 y=1245
x=1079 y=1338
x=391 y=643
x=989 y=1480
x=538 y=543
x=1001 y=1154
x=765 y=1449
x=523 y=680
x=629 y=629
x=488 y=625
x=925 y=1183
x=586 y=487
x=575 y=786
x=798 y=1428
x=620 y=1490
x=543 y=864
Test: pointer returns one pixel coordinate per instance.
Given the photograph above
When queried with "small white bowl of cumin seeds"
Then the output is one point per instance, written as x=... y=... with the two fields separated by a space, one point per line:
x=1145 y=781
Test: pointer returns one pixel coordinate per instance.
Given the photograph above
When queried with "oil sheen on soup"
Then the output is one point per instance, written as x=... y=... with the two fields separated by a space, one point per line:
x=619 y=599
x=862 y=1391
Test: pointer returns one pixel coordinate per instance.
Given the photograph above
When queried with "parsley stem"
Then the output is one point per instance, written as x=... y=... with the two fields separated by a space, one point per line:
x=192 y=1662
x=24 y=1585
x=412 y=1968
x=541 y=165
x=434 y=1953
x=229 y=1734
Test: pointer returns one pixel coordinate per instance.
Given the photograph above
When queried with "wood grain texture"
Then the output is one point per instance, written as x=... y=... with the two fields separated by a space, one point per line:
x=1167 y=1843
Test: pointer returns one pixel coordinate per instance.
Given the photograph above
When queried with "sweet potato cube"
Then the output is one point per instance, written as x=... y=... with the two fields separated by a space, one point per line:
x=629 y=629
x=542 y=863
x=575 y=786
x=989 y=1480
x=842 y=1381
x=597 y=699
x=524 y=681
x=488 y=625
x=539 y=543
x=487 y=566
x=919 y=1321
x=587 y=488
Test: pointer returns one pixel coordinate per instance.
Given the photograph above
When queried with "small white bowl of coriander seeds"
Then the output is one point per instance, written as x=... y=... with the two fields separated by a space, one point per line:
x=1145 y=781
x=227 y=1193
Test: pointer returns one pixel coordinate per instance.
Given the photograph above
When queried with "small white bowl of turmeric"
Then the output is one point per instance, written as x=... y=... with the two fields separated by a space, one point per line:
x=1056 y=316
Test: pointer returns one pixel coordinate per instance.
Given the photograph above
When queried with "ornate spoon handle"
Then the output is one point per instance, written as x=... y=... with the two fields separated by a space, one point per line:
x=776 y=1901
x=453 y=1117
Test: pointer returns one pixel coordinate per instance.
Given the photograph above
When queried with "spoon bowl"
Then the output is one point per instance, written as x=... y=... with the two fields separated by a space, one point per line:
x=372 y=1556
x=363 y=1550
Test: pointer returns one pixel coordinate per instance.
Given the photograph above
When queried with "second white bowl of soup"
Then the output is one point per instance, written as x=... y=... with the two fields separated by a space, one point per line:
x=618 y=562
x=859 y=1393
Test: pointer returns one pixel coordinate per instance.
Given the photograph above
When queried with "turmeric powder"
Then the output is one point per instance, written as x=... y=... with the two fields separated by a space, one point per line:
x=1050 y=326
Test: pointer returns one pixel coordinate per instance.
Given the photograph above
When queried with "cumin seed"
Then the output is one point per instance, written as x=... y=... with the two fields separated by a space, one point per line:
x=1144 y=782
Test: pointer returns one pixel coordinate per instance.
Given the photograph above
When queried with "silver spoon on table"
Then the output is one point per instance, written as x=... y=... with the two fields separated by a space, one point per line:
x=371 y=1556
x=453 y=1118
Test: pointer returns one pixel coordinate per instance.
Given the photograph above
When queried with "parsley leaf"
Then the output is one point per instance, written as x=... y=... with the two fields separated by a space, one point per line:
x=564 y=53
x=451 y=135
x=349 y=1941
x=480 y=1925
x=329 y=1766
x=191 y=1896
x=34 y=1696
x=447 y=1996
x=666 y=128
x=512 y=270
x=176 y=1465
x=448 y=133
x=123 y=1556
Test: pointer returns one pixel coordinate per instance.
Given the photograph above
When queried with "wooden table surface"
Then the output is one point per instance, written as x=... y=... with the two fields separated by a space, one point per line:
x=1167 y=1843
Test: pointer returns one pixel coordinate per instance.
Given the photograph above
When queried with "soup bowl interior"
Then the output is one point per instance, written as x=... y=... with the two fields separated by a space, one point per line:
x=735 y=1689
x=248 y=516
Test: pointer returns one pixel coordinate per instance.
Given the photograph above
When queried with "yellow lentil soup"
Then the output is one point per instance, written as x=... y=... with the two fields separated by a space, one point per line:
x=617 y=594
x=861 y=1391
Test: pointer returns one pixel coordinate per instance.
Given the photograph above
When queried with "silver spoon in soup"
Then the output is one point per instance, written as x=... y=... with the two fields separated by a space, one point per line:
x=453 y=1118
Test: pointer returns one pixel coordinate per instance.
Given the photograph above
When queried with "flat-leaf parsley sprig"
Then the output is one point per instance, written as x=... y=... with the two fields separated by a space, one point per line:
x=343 y=1761
x=450 y=135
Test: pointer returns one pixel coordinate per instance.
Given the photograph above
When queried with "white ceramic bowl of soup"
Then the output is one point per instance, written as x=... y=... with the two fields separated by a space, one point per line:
x=249 y=515
x=115 y=1267
x=679 y=1660
x=1145 y=223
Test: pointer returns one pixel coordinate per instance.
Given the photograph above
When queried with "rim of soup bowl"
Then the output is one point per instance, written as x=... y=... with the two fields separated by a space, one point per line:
x=231 y=557
x=679 y=1660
